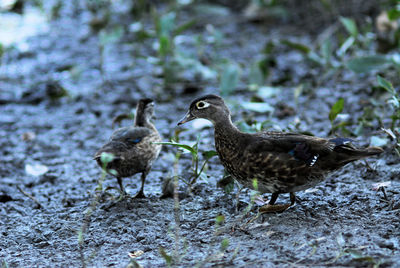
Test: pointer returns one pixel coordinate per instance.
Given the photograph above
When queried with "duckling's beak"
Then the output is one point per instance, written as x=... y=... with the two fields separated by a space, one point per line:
x=188 y=117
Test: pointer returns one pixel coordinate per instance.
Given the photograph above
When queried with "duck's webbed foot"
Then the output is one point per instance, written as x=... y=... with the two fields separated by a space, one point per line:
x=140 y=194
x=271 y=207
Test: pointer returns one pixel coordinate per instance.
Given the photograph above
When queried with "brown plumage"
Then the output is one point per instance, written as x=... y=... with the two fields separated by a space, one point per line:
x=133 y=147
x=281 y=162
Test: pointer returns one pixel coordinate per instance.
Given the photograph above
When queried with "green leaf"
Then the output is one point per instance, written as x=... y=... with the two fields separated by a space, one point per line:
x=229 y=79
x=340 y=240
x=164 y=46
x=224 y=244
x=106 y=158
x=326 y=50
x=297 y=46
x=377 y=141
x=183 y=27
x=255 y=184
x=209 y=154
x=180 y=145
x=382 y=82
x=393 y=14
x=256 y=76
x=350 y=26
x=336 y=109
x=358 y=256
x=345 y=46
x=263 y=66
x=212 y=10
x=164 y=254
x=268 y=92
x=219 y=219
x=259 y=107
x=367 y=63
x=112 y=36
x=166 y=24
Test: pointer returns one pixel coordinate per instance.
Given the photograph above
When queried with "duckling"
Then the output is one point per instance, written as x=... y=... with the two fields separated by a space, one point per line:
x=133 y=147
x=281 y=162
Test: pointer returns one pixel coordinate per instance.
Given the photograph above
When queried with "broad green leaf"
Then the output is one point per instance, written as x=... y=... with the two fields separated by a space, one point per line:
x=350 y=26
x=297 y=46
x=336 y=109
x=256 y=76
x=259 y=107
x=166 y=24
x=210 y=9
x=326 y=50
x=112 y=36
x=267 y=92
x=394 y=14
x=229 y=79
x=367 y=63
x=377 y=141
x=382 y=82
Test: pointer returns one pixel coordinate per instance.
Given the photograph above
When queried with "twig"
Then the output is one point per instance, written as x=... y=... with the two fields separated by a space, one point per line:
x=29 y=196
x=176 y=207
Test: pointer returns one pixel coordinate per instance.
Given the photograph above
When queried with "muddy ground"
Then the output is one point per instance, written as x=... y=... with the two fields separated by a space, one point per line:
x=341 y=222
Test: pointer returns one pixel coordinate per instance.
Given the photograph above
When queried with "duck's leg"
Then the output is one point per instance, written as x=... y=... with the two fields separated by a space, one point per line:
x=140 y=194
x=271 y=207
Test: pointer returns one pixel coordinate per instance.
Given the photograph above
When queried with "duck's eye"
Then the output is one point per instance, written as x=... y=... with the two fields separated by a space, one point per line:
x=202 y=104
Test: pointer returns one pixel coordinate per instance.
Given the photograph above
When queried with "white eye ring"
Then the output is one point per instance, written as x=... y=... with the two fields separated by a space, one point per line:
x=202 y=105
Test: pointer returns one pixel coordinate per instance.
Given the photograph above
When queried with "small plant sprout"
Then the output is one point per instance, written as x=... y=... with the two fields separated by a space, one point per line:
x=197 y=168
x=394 y=101
x=229 y=78
x=394 y=130
x=166 y=31
x=106 y=38
x=354 y=253
x=380 y=186
x=336 y=109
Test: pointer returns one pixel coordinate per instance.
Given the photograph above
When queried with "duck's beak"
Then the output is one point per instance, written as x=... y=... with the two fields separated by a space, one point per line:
x=188 y=117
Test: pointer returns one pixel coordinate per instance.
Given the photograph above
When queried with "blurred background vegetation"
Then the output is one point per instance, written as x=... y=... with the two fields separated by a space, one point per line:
x=190 y=45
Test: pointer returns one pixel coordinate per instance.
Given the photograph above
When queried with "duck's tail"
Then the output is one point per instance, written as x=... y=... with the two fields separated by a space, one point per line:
x=350 y=153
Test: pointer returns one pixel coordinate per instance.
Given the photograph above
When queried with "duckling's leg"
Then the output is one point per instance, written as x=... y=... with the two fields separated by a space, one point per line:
x=121 y=186
x=277 y=208
x=140 y=194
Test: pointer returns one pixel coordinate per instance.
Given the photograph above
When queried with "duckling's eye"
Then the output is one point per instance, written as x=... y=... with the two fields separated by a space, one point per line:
x=202 y=104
